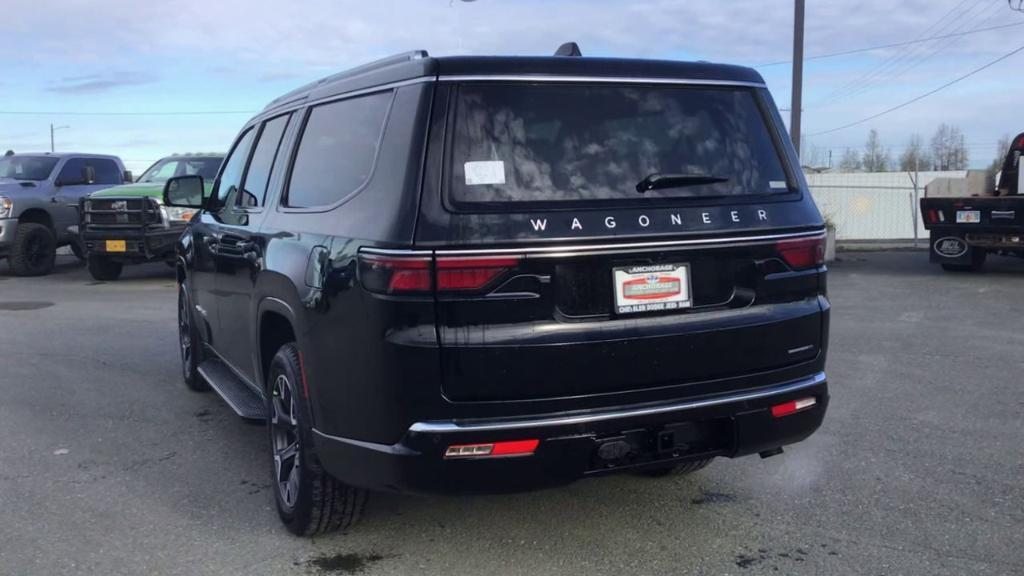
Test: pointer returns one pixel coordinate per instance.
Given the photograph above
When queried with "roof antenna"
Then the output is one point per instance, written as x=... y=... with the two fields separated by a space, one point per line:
x=568 y=49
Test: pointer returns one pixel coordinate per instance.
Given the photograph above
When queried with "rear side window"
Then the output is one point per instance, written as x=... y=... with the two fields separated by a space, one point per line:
x=337 y=151
x=107 y=171
x=254 y=190
x=584 y=143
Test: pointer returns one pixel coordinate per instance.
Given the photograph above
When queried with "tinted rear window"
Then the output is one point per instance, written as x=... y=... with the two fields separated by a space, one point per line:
x=337 y=150
x=584 y=143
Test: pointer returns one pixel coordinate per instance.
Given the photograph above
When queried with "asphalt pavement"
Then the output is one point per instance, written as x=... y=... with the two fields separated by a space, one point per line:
x=110 y=466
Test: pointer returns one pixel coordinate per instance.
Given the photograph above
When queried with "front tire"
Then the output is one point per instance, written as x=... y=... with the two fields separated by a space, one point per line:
x=309 y=501
x=189 y=343
x=34 y=250
x=78 y=249
x=104 y=269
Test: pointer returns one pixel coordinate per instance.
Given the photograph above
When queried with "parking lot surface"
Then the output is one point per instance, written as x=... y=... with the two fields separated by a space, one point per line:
x=110 y=466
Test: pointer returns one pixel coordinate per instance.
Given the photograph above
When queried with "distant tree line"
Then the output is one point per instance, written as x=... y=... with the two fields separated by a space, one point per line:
x=946 y=150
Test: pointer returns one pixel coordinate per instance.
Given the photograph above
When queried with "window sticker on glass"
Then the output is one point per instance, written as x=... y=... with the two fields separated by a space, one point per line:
x=484 y=172
x=777 y=184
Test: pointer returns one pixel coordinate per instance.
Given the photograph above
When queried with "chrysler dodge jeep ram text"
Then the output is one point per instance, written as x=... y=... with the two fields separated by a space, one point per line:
x=486 y=274
x=128 y=225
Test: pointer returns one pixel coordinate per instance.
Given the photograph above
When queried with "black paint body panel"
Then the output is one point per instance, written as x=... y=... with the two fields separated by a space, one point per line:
x=543 y=344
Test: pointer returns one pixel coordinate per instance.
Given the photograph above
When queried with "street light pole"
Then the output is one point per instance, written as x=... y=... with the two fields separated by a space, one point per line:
x=798 y=74
x=52 y=130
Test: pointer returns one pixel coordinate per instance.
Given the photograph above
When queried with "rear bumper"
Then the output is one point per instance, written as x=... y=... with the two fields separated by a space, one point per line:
x=732 y=425
x=150 y=244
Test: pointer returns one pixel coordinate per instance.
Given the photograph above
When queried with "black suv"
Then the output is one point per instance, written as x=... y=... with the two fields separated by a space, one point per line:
x=483 y=274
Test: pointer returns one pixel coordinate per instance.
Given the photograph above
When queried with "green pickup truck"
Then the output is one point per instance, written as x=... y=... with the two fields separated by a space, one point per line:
x=129 y=225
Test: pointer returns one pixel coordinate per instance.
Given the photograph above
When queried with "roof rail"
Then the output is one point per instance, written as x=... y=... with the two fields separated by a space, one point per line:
x=362 y=69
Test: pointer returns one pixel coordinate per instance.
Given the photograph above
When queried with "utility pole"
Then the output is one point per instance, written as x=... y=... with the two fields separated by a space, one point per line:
x=798 y=74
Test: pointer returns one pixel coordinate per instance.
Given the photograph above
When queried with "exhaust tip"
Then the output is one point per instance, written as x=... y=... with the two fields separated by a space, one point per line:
x=770 y=453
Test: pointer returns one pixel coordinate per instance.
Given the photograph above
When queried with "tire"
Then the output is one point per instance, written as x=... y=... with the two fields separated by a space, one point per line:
x=34 y=250
x=309 y=501
x=78 y=250
x=674 y=469
x=104 y=269
x=189 y=343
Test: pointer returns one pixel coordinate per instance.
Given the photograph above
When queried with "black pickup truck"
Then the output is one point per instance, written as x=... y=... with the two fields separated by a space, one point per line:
x=965 y=230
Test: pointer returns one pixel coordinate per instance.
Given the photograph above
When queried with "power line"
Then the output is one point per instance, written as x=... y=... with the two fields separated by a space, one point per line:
x=173 y=113
x=893 y=45
x=957 y=21
x=927 y=53
x=922 y=96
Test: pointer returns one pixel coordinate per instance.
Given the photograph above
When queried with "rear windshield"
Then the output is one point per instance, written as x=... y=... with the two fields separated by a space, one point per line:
x=557 y=143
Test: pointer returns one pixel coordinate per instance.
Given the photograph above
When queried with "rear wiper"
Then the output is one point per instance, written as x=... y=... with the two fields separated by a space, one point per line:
x=659 y=181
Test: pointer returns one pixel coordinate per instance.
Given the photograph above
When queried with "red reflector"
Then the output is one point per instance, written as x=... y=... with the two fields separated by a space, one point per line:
x=792 y=407
x=514 y=447
x=933 y=216
x=471 y=273
x=803 y=252
x=509 y=448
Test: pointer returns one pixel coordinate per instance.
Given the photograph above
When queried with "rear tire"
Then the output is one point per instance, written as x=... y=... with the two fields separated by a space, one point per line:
x=309 y=500
x=977 y=262
x=104 y=269
x=34 y=250
x=189 y=343
x=676 y=469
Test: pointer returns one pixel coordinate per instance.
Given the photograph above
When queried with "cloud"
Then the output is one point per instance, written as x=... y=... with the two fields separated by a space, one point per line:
x=94 y=83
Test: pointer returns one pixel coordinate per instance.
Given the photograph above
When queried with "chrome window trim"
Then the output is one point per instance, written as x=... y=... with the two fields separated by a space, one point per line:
x=450 y=427
x=600 y=79
x=567 y=250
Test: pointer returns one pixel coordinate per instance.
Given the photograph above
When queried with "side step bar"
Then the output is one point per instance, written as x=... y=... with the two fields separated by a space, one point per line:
x=245 y=401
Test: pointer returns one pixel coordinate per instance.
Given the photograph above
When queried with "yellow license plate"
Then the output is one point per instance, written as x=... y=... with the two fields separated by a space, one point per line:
x=116 y=246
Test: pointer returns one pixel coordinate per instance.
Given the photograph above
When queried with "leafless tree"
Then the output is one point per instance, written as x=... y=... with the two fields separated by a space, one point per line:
x=850 y=162
x=876 y=157
x=915 y=156
x=949 y=150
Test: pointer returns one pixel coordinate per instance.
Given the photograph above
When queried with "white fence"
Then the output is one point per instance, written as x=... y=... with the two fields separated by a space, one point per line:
x=873 y=206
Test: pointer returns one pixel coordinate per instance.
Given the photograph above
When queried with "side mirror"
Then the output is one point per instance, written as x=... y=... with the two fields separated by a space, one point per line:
x=184 y=191
x=127 y=177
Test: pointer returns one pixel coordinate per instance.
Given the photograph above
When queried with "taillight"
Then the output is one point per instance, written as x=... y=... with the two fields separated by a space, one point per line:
x=802 y=253
x=933 y=216
x=395 y=274
x=458 y=274
x=386 y=274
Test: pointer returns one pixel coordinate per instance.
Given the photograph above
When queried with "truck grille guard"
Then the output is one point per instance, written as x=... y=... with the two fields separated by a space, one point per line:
x=120 y=213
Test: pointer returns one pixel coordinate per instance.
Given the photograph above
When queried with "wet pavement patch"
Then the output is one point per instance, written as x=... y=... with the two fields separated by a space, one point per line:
x=26 y=305
x=344 y=563
x=709 y=497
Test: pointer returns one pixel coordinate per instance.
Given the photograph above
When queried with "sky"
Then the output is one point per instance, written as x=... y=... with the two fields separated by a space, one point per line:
x=85 y=65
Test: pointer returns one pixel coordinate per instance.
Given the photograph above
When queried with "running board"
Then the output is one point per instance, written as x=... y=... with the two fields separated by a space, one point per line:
x=240 y=396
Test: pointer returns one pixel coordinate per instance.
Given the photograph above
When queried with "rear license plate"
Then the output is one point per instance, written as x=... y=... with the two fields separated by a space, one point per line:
x=651 y=288
x=968 y=216
x=116 y=246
